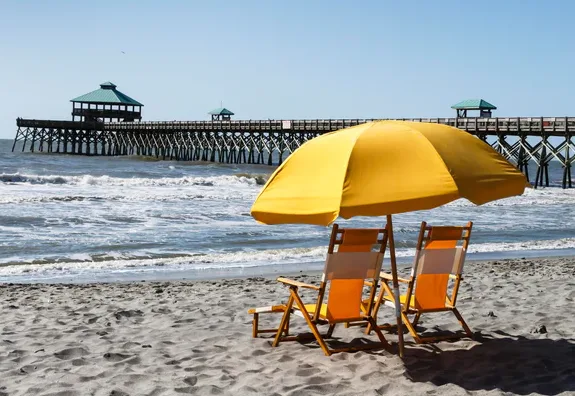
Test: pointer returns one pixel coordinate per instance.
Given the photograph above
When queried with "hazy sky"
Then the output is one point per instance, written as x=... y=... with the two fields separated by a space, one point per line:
x=288 y=59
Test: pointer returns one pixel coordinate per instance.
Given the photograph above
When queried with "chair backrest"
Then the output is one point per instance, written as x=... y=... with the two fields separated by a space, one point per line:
x=440 y=253
x=354 y=255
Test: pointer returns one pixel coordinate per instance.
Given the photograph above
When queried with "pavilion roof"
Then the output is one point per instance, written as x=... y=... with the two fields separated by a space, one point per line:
x=474 y=104
x=221 y=111
x=107 y=94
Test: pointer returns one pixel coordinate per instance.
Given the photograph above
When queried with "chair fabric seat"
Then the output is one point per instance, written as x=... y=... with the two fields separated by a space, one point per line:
x=402 y=299
x=389 y=298
x=311 y=310
x=412 y=302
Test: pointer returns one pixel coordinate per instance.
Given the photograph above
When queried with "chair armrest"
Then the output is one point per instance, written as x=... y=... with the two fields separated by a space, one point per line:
x=389 y=277
x=368 y=283
x=297 y=284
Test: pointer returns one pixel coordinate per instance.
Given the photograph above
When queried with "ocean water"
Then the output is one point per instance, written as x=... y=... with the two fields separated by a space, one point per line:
x=67 y=218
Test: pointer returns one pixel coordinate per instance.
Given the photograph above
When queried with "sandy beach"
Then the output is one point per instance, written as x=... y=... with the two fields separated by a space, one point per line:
x=170 y=338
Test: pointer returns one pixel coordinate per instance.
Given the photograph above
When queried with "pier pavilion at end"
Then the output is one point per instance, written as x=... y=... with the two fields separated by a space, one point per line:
x=483 y=106
x=221 y=114
x=106 y=104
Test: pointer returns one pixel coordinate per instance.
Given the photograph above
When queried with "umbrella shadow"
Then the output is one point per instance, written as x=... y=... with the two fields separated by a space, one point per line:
x=510 y=364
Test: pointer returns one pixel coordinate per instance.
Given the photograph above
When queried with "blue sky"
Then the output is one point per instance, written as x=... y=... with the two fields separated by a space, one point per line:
x=283 y=60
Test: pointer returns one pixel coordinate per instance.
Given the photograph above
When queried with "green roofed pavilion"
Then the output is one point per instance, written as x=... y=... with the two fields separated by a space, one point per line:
x=221 y=114
x=483 y=106
x=106 y=104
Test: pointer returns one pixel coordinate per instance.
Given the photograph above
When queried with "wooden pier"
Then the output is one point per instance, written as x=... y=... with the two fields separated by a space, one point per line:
x=521 y=140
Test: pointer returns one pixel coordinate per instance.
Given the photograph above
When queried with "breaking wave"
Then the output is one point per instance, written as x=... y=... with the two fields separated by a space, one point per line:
x=115 y=262
x=89 y=180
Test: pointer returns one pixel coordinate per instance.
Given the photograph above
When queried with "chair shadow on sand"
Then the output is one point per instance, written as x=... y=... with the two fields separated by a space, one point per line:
x=511 y=364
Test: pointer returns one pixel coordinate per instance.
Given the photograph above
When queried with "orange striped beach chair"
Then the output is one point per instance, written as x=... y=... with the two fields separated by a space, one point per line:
x=354 y=256
x=438 y=262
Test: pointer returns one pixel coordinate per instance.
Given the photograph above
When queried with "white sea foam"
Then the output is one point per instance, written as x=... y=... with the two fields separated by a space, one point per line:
x=540 y=196
x=85 y=180
x=126 y=197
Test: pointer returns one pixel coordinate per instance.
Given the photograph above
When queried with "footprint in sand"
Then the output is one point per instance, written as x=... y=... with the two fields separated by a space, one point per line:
x=118 y=393
x=130 y=313
x=191 y=380
x=71 y=353
x=187 y=389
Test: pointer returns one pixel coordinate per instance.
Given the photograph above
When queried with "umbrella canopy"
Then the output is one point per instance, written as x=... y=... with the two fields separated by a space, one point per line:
x=382 y=168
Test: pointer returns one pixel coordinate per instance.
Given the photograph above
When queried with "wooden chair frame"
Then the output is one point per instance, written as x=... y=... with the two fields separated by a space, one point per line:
x=314 y=319
x=406 y=308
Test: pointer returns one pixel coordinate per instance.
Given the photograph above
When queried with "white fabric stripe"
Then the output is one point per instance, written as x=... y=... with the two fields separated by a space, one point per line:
x=264 y=309
x=441 y=261
x=353 y=265
x=459 y=261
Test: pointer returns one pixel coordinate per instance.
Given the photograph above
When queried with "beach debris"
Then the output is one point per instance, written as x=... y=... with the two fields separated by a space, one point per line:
x=146 y=346
x=540 y=330
x=40 y=350
x=491 y=314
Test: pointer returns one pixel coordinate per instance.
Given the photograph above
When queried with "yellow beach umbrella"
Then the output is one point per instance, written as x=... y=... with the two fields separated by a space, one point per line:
x=383 y=168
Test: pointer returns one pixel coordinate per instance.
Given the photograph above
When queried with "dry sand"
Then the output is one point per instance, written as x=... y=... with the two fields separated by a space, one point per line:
x=195 y=338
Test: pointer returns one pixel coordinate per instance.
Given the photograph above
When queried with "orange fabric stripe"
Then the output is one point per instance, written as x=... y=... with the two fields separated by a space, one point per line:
x=358 y=240
x=446 y=233
x=431 y=290
x=344 y=299
x=441 y=244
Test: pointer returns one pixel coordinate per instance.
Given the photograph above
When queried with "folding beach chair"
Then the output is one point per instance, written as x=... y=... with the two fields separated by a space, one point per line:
x=439 y=258
x=350 y=261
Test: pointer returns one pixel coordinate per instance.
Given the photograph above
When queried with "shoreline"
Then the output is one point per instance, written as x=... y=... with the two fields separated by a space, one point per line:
x=165 y=274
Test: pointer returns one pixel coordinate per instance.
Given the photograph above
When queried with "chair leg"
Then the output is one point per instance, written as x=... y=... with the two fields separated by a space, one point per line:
x=410 y=327
x=286 y=328
x=283 y=323
x=255 y=325
x=311 y=324
x=330 y=330
x=462 y=322
x=416 y=319
x=380 y=335
x=375 y=310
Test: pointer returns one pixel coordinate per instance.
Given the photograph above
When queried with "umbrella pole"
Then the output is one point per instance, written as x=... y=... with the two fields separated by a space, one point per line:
x=395 y=285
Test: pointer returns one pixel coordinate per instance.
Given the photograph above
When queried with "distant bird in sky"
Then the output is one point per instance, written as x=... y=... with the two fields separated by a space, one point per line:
x=122 y=52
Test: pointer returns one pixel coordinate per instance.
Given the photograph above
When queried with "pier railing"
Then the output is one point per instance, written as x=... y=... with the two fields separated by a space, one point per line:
x=552 y=126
